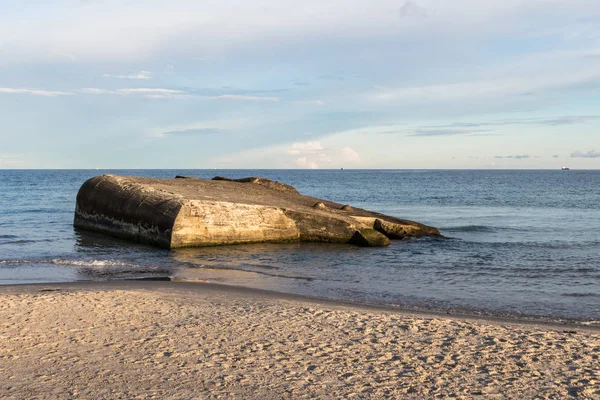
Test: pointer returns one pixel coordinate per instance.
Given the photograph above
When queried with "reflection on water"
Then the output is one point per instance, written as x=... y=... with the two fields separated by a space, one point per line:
x=267 y=258
x=259 y=266
x=101 y=257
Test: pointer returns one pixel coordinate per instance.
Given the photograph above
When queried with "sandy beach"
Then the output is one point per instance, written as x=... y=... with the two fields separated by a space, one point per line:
x=174 y=340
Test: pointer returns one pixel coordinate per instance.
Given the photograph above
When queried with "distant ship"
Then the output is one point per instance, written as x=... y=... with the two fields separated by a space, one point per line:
x=565 y=169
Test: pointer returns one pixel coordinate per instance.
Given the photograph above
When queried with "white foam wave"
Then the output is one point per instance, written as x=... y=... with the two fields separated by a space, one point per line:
x=73 y=263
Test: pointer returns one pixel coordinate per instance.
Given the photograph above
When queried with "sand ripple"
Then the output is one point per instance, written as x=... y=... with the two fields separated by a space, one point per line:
x=142 y=344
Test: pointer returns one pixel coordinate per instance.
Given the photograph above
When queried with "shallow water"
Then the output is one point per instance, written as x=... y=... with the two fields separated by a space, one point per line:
x=523 y=243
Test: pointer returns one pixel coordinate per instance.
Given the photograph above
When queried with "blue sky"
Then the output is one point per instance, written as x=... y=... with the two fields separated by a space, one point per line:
x=311 y=84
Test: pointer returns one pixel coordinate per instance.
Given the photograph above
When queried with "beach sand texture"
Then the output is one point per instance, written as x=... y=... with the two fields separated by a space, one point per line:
x=165 y=343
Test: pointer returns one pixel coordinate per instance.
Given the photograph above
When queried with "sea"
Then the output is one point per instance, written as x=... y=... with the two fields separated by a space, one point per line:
x=521 y=244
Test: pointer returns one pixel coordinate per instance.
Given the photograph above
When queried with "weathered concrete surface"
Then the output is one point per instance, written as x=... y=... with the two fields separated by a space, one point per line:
x=369 y=238
x=186 y=212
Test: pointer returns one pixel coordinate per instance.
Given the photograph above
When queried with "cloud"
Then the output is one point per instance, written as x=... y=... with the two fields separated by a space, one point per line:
x=311 y=102
x=568 y=120
x=304 y=162
x=447 y=132
x=311 y=147
x=330 y=77
x=207 y=127
x=309 y=154
x=312 y=154
x=194 y=132
x=589 y=154
x=12 y=160
x=140 y=75
x=350 y=155
x=240 y=97
x=98 y=91
x=411 y=9
x=517 y=157
x=337 y=38
x=554 y=121
x=160 y=93
x=300 y=83
x=152 y=93
x=485 y=89
x=35 y=92
x=109 y=30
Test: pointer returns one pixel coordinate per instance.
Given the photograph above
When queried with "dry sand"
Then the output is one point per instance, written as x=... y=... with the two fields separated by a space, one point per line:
x=164 y=340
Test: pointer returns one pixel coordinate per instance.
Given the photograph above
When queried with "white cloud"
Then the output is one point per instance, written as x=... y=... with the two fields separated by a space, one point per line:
x=501 y=87
x=305 y=162
x=11 y=160
x=240 y=97
x=140 y=75
x=310 y=154
x=350 y=155
x=97 y=91
x=158 y=93
x=201 y=126
x=152 y=93
x=139 y=29
x=465 y=128
x=311 y=102
x=311 y=147
x=589 y=154
x=515 y=157
x=35 y=92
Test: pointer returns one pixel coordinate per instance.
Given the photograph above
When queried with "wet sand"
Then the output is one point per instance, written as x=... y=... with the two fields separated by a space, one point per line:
x=180 y=340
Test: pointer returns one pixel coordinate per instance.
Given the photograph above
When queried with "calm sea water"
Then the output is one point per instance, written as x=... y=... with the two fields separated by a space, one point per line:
x=523 y=243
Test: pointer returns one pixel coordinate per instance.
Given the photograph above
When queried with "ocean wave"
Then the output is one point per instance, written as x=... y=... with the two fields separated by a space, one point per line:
x=73 y=263
x=27 y=241
x=26 y=211
x=581 y=294
x=8 y=237
x=92 y=263
x=228 y=268
x=470 y=228
x=479 y=229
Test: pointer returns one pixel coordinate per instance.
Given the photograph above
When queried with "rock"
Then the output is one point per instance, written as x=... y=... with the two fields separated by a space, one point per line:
x=260 y=181
x=189 y=212
x=393 y=231
x=369 y=238
x=347 y=208
x=319 y=206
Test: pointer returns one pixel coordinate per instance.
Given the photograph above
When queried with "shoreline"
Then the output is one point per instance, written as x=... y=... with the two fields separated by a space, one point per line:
x=153 y=339
x=201 y=286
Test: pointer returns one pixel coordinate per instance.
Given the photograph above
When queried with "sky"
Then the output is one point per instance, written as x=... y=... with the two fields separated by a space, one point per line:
x=312 y=84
